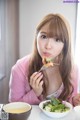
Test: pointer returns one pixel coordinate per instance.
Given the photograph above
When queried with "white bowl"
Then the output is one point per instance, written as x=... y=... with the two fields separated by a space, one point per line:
x=77 y=110
x=56 y=114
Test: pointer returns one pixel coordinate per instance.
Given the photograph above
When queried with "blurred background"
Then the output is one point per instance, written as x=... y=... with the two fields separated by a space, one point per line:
x=18 y=21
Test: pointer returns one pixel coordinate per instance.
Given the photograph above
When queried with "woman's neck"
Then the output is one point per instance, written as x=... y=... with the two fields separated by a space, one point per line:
x=54 y=79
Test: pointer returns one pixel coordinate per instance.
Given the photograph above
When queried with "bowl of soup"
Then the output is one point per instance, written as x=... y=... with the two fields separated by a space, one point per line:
x=17 y=110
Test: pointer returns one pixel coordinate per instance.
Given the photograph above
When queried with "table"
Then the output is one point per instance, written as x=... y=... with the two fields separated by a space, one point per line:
x=37 y=114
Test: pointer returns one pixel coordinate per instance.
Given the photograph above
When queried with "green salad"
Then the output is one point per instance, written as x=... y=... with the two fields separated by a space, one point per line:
x=55 y=105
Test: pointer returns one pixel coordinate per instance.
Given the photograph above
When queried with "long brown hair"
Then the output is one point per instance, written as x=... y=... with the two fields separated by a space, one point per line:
x=57 y=28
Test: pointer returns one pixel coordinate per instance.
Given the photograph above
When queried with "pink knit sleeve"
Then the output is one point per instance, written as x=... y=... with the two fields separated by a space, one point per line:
x=20 y=89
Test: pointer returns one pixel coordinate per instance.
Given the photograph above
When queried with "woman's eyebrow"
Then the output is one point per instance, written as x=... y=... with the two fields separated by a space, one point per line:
x=43 y=32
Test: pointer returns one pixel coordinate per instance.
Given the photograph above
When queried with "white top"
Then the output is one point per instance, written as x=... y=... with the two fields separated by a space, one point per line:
x=56 y=93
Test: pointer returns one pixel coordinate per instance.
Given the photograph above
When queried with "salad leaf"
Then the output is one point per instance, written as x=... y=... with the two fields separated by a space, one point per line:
x=55 y=101
x=55 y=105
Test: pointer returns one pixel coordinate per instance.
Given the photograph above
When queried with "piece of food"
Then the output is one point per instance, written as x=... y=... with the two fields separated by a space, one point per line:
x=55 y=105
x=47 y=62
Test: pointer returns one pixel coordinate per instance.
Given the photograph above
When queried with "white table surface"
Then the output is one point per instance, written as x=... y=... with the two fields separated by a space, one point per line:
x=37 y=114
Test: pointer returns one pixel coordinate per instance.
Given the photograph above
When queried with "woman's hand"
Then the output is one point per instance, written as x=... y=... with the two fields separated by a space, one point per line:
x=76 y=100
x=36 y=83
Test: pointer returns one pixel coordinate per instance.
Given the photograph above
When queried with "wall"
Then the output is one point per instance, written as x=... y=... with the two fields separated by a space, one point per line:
x=31 y=12
x=11 y=38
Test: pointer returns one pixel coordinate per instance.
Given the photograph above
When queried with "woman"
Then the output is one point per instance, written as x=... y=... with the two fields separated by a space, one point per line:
x=27 y=81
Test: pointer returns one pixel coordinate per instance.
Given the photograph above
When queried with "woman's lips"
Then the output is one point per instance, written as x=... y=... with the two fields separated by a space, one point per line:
x=45 y=54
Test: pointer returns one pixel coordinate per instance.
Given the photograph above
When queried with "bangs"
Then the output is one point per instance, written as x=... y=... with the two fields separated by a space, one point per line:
x=55 y=30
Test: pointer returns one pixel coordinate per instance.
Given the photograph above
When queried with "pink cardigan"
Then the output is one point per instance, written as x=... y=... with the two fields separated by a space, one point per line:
x=20 y=89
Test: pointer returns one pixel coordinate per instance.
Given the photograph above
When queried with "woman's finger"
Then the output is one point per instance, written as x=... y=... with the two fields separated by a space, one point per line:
x=34 y=79
x=37 y=82
x=33 y=75
x=41 y=83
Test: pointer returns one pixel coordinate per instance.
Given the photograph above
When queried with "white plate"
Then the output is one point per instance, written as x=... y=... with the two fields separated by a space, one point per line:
x=55 y=114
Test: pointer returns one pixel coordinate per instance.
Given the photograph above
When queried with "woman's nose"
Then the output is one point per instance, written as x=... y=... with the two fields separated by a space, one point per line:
x=48 y=44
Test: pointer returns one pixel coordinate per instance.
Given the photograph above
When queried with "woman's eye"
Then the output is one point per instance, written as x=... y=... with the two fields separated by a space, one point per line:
x=57 y=40
x=43 y=36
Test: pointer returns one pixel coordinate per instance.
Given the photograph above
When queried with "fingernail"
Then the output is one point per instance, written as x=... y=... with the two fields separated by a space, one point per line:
x=40 y=73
